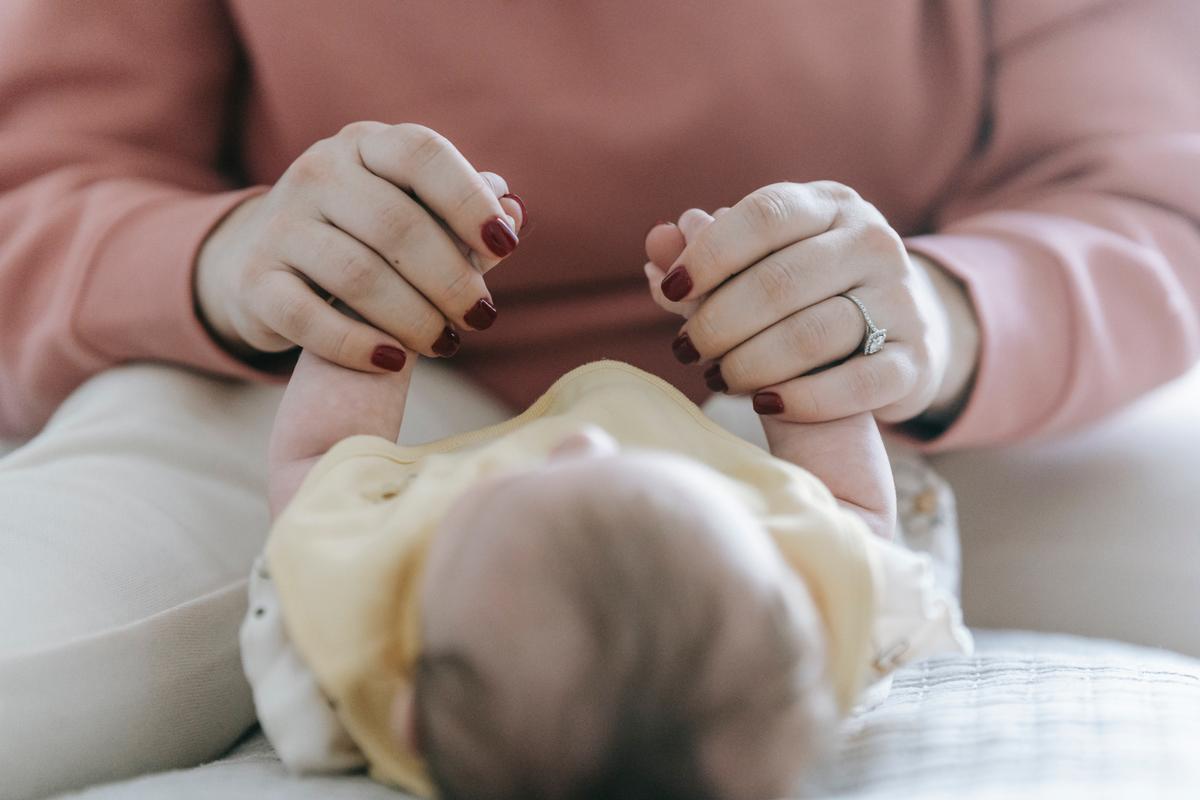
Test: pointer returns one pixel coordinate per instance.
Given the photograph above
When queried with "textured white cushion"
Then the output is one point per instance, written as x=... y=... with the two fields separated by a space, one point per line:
x=1030 y=715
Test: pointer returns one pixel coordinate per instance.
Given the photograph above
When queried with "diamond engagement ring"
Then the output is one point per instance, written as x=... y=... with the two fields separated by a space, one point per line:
x=873 y=342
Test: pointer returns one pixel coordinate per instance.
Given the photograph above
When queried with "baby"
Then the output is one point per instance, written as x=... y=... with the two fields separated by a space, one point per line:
x=606 y=596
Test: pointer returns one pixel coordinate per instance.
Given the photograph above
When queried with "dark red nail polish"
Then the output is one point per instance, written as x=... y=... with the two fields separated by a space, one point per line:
x=387 y=357
x=447 y=344
x=684 y=350
x=768 y=403
x=677 y=284
x=524 y=211
x=499 y=237
x=482 y=315
x=714 y=379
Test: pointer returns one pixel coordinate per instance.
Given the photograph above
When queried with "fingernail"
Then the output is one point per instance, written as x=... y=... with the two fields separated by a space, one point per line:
x=684 y=350
x=524 y=211
x=447 y=344
x=714 y=379
x=387 y=357
x=482 y=315
x=768 y=403
x=677 y=284
x=499 y=237
x=655 y=225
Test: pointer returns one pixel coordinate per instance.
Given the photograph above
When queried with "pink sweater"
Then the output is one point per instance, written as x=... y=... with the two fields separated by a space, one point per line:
x=1048 y=154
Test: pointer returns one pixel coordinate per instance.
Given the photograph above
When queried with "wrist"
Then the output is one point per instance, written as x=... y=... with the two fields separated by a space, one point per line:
x=962 y=341
x=210 y=277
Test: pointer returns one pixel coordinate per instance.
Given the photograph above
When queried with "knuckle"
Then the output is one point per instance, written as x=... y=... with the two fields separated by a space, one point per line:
x=736 y=373
x=868 y=384
x=459 y=282
x=314 y=165
x=806 y=404
x=810 y=334
x=774 y=280
x=422 y=144
x=836 y=191
x=340 y=345
x=277 y=225
x=396 y=224
x=478 y=193
x=881 y=240
x=427 y=323
x=356 y=278
x=294 y=322
x=769 y=207
x=357 y=129
x=705 y=334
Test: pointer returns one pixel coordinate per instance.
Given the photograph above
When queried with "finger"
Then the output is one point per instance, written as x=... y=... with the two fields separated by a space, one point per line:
x=357 y=276
x=416 y=158
x=413 y=244
x=813 y=337
x=512 y=203
x=654 y=275
x=862 y=383
x=297 y=314
x=692 y=221
x=779 y=285
x=721 y=211
x=764 y=221
x=664 y=243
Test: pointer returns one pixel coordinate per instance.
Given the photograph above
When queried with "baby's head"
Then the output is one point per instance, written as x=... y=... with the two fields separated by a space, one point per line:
x=614 y=624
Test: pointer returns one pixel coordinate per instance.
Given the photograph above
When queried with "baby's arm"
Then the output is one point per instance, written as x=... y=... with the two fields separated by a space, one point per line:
x=849 y=458
x=325 y=403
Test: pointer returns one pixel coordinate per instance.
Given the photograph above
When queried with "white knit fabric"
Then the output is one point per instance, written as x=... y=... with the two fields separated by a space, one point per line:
x=1029 y=716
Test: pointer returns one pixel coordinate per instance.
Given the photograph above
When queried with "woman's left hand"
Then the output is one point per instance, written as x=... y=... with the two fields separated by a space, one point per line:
x=760 y=285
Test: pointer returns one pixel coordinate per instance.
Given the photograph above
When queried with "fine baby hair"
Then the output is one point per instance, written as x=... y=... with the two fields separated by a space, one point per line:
x=685 y=688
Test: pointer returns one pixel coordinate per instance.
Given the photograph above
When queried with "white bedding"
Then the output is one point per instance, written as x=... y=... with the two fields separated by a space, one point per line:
x=1030 y=715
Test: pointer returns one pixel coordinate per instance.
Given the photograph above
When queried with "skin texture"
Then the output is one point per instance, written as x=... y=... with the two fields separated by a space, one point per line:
x=762 y=285
x=390 y=220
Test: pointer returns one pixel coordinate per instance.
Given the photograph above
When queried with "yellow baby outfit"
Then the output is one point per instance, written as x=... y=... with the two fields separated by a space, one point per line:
x=346 y=555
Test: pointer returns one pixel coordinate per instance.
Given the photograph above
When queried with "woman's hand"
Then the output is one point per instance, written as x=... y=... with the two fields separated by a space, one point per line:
x=760 y=286
x=389 y=219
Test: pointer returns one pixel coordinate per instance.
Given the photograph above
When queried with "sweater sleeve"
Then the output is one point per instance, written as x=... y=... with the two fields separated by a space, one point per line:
x=112 y=120
x=1076 y=227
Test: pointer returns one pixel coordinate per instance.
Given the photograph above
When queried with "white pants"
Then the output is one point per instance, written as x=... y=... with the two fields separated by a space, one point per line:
x=127 y=530
x=128 y=527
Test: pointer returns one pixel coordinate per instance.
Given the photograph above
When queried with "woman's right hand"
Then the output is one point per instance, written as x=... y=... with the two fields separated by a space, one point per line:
x=389 y=219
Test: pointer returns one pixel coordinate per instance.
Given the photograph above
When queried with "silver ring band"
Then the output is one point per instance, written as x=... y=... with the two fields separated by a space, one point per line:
x=872 y=343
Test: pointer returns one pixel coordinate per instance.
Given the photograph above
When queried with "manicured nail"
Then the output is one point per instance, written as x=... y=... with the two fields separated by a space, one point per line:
x=499 y=237
x=712 y=377
x=447 y=344
x=387 y=357
x=677 y=284
x=524 y=211
x=482 y=315
x=768 y=403
x=684 y=350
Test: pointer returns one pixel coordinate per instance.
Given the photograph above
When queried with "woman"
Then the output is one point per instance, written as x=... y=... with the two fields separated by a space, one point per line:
x=1009 y=199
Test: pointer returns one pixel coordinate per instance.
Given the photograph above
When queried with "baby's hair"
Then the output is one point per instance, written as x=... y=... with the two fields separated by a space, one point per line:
x=635 y=726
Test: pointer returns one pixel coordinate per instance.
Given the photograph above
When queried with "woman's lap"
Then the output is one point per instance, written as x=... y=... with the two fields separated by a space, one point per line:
x=130 y=525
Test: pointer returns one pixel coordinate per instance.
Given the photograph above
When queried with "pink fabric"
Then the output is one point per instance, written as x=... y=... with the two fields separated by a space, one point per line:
x=1049 y=156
